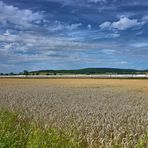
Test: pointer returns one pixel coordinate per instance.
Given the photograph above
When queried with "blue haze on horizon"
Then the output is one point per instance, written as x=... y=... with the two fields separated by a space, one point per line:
x=73 y=34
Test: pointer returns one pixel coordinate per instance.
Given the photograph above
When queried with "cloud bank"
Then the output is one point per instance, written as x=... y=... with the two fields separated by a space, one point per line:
x=64 y=34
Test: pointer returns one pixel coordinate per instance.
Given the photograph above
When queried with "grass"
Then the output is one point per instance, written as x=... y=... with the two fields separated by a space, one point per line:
x=19 y=132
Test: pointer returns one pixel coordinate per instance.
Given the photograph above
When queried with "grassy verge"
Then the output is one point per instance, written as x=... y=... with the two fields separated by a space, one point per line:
x=19 y=132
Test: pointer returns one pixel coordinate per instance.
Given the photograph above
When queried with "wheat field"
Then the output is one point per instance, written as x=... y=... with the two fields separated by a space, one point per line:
x=101 y=112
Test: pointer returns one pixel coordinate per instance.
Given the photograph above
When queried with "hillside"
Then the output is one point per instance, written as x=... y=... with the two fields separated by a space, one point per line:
x=91 y=71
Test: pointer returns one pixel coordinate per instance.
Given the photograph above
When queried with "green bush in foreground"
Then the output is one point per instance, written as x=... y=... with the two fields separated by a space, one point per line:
x=19 y=132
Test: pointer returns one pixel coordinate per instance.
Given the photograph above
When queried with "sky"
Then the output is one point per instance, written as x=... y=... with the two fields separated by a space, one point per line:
x=73 y=34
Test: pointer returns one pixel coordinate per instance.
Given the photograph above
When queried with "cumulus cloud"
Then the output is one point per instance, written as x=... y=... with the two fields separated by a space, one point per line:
x=140 y=44
x=27 y=19
x=89 y=26
x=70 y=2
x=145 y=18
x=23 y=46
x=13 y=15
x=106 y=25
x=59 y=26
x=114 y=35
x=46 y=43
x=28 y=36
x=96 y=1
x=29 y=47
x=109 y=51
x=125 y=23
x=79 y=3
x=122 y=24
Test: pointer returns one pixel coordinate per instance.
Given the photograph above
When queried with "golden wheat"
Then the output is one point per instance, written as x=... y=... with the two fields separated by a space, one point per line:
x=106 y=113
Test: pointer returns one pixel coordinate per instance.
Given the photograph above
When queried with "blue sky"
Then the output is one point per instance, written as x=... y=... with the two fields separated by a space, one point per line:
x=73 y=34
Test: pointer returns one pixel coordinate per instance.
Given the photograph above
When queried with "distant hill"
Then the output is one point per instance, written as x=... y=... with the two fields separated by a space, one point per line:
x=91 y=71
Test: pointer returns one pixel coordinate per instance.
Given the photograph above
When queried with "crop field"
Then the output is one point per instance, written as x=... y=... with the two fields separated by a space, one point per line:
x=73 y=113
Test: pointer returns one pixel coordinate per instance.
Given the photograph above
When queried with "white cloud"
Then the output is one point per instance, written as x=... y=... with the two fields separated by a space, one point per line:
x=73 y=26
x=79 y=3
x=7 y=33
x=58 y=26
x=114 y=35
x=145 y=18
x=123 y=62
x=125 y=23
x=122 y=24
x=70 y=2
x=16 y=16
x=96 y=1
x=105 y=25
x=27 y=46
x=89 y=26
x=109 y=51
x=140 y=44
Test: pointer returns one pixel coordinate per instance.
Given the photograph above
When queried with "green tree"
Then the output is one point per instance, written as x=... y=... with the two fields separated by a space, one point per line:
x=11 y=73
x=37 y=73
x=26 y=72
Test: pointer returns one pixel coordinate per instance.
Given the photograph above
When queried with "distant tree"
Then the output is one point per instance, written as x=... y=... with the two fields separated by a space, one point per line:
x=11 y=73
x=26 y=72
x=1 y=74
x=37 y=73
